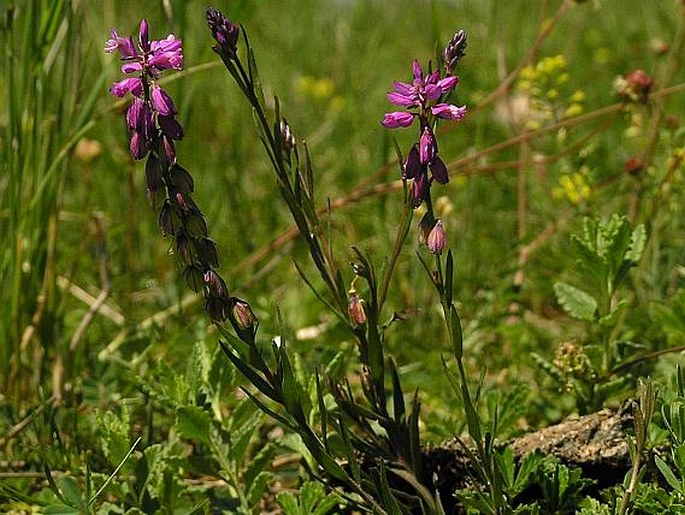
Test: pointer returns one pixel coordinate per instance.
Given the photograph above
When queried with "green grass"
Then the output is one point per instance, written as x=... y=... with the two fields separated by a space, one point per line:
x=73 y=225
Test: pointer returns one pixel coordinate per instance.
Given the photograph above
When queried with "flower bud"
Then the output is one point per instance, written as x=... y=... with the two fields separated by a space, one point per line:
x=242 y=313
x=287 y=136
x=427 y=146
x=420 y=188
x=184 y=249
x=214 y=283
x=412 y=166
x=243 y=319
x=454 y=50
x=355 y=308
x=170 y=221
x=216 y=307
x=439 y=170
x=436 y=238
x=225 y=33
x=193 y=277
x=181 y=179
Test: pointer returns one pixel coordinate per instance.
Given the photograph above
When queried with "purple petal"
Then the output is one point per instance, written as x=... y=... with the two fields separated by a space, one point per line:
x=162 y=102
x=165 y=60
x=131 y=67
x=437 y=238
x=448 y=83
x=448 y=111
x=139 y=145
x=403 y=88
x=427 y=146
x=420 y=189
x=170 y=44
x=132 y=84
x=397 y=119
x=412 y=166
x=439 y=170
x=433 y=77
x=143 y=38
x=123 y=45
x=170 y=127
x=416 y=69
x=134 y=114
x=169 y=150
x=401 y=99
x=432 y=92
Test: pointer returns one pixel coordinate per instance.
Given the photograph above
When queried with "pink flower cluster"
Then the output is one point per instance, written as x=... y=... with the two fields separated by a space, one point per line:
x=151 y=119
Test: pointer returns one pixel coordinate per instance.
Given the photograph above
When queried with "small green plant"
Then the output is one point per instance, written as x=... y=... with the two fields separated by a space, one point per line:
x=605 y=251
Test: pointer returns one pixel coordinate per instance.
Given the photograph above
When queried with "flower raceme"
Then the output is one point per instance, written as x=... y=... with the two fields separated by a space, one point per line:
x=422 y=100
x=151 y=119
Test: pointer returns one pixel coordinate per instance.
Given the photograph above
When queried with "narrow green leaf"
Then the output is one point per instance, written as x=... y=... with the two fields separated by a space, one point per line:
x=293 y=395
x=668 y=474
x=397 y=394
x=449 y=277
x=389 y=501
x=269 y=411
x=323 y=412
x=472 y=419
x=419 y=488
x=251 y=374
x=576 y=302
x=456 y=333
x=350 y=453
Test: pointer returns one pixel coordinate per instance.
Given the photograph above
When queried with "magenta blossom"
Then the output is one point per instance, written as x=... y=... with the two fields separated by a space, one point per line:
x=422 y=100
x=151 y=117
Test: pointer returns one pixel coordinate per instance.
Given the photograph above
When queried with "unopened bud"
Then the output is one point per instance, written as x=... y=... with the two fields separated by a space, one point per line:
x=437 y=238
x=454 y=50
x=243 y=319
x=634 y=86
x=634 y=165
x=289 y=142
x=242 y=314
x=224 y=31
x=355 y=308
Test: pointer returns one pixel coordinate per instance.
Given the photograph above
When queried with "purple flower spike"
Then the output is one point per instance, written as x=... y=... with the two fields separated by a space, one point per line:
x=151 y=116
x=397 y=119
